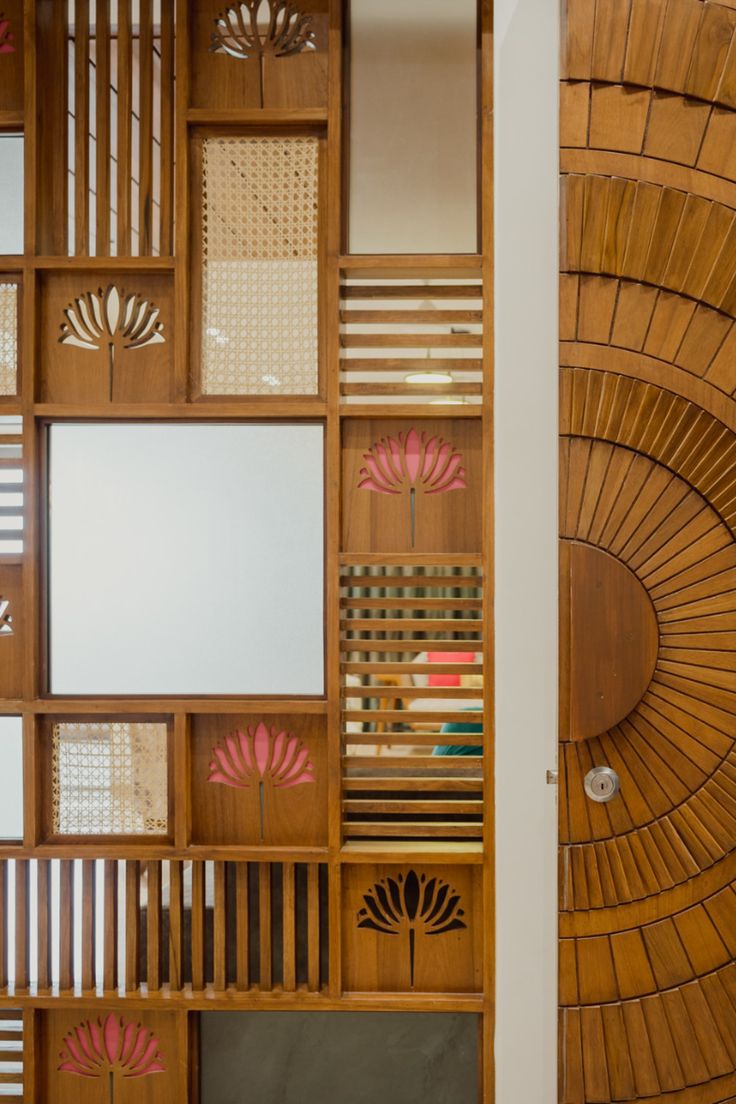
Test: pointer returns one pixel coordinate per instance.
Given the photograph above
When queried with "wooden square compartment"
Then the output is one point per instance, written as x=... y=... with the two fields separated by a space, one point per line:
x=445 y=520
x=11 y=631
x=379 y=959
x=262 y=811
x=55 y=1086
x=220 y=81
x=70 y=374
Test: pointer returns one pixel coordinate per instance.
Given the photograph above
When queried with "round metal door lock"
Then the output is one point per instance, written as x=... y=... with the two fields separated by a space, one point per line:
x=601 y=783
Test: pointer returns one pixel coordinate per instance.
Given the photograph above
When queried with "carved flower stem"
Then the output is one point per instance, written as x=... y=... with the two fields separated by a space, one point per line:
x=111 y=1075
x=261 y=84
x=412 y=941
x=111 y=367
x=262 y=805
x=413 y=513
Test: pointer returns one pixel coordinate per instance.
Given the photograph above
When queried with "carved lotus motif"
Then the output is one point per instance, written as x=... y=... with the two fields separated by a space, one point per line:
x=249 y=759
x=6 y=36
x=111 y=318
x=257 y=28
x=112 y=1048
x=411 y=904
x=400 y=465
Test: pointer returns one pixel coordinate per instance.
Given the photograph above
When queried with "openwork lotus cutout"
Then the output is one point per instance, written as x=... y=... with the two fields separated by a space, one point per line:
x=6 y=620
x=111 y=1049
x=111 y=318
x=255 y=28
x=404 y=906
x=248 y=759
x=6 y=36
x=410 y=461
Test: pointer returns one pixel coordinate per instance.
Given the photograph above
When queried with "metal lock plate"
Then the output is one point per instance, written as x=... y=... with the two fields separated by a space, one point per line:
x=601 y=784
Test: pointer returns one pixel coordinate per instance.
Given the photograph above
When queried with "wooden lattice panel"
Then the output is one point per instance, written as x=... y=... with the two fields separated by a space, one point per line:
x=109 y=778
x=415 y=339
x=8 y=337
x=201 y=926
x=412 y=665
x=259 y=266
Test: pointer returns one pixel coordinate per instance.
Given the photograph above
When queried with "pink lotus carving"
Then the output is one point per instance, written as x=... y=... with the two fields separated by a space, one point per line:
x=112 y=1047
x=6 y=36
x=398 y=465
x=248 y=758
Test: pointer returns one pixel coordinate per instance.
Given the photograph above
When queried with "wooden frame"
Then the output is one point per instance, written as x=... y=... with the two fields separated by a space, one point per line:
x=350 y=868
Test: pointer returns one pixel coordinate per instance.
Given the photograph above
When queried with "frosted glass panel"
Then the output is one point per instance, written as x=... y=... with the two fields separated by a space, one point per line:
x=413 y=126
x=186 y=559
x=11 y=193
x=11 y=774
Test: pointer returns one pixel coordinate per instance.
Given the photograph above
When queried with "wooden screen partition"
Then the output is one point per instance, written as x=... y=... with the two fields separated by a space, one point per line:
x=185 y=261
x=648 y=294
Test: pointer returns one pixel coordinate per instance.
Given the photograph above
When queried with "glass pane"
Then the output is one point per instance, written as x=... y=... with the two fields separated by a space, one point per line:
x=11 y=193
x=11 y=772
x=259 y=266
x=413 y=126
x=186 y=559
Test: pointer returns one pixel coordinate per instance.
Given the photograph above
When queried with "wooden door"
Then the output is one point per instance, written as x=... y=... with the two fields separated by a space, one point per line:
x=647 y=521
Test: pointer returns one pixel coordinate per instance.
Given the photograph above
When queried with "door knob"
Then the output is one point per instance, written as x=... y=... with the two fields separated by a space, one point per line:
x=601 y=783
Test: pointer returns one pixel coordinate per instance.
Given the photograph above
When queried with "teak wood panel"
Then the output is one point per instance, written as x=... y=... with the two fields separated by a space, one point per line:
x=188 y=922
x=286 y=805
x=648 y=453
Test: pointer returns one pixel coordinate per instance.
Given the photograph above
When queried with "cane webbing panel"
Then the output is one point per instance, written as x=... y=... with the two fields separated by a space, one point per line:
x=109 y=778
x=8 y=338
x=259 y=256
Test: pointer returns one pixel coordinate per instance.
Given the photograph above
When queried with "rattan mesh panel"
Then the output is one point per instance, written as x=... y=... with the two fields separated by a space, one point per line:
x=109 y=778
x=259 y=255
x=8 y=339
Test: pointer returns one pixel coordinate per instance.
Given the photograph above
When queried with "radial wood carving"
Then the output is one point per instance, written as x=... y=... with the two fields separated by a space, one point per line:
x=648 y=476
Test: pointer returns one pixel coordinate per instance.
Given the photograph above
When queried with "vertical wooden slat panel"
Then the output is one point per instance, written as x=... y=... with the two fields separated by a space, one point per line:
x=220 y=928
x=264 y=918
x=125 y=122
x=110 y=942
x=289 y=927
x=176 y=915
x=102 y=127
x=43 y=895
x=132 y=916
x=3 y=924
x=66 y=924
x=153 y=927
x=242 y=948
x=22 y=917
x=313 y=927
x=198 y=919
x=89 y=908
x=145 y=133
x=81 y=128
x=166 y=212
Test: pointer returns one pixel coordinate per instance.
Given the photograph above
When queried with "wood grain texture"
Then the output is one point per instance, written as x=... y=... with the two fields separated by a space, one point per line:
x=648 y=455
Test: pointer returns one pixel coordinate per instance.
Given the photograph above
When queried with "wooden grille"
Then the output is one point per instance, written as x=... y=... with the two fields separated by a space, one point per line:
x=416 y=338
x=120 y=60
x=11 y=1053
x=124 y=926
x=11 y=485
x=404 y=632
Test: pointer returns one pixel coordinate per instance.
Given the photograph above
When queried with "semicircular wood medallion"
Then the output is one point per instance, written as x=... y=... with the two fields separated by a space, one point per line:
x=648 y=562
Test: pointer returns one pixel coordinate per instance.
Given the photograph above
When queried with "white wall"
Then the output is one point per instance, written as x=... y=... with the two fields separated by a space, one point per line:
x=526 y=157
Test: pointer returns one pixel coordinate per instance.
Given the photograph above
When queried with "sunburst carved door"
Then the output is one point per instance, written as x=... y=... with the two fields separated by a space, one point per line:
x=648 y=564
